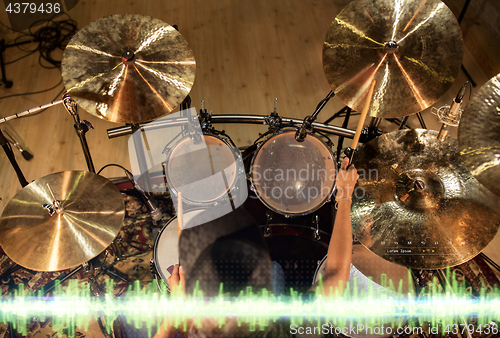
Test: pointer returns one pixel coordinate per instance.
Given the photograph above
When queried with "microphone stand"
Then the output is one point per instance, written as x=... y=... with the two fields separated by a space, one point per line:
x=301 y=133
x=10 y=154
x=81 y=128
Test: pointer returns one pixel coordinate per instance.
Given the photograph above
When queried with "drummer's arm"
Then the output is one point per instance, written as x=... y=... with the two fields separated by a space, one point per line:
x=176 y=280
x=338 y=263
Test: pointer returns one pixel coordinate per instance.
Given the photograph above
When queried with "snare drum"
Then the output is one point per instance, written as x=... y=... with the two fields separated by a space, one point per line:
x=290 y=177
x=208 y=173
x=166 y=247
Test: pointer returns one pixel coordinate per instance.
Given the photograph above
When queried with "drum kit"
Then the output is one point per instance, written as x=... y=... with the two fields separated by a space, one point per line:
x=429 y=204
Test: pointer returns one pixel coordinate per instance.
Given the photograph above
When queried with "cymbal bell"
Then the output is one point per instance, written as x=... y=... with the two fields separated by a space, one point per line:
x=418 y=205
x=43 y=235
x=479 y=135
x=412 y=49
x=128 y=68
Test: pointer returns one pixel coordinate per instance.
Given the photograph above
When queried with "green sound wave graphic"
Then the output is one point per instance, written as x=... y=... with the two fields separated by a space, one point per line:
x=75 y=307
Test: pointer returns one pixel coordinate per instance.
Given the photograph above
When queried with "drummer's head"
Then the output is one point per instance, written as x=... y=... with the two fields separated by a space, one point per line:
x=228 y=250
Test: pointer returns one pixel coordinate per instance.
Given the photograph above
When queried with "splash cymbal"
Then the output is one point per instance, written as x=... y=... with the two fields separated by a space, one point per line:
x=412 y=49
x=40 y=235
x=128 y=68
x=418 y=205
x=479 y=135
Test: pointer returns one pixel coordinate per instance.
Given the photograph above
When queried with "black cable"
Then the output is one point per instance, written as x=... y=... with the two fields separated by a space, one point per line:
x=31 y=93
x=54 y=35
x=114 y=165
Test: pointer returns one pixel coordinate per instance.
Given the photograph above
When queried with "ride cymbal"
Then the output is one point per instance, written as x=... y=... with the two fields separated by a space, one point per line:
x=418 y=205
x=479 y=135
x=128 y=68
x=412 y=49
x=89 y=217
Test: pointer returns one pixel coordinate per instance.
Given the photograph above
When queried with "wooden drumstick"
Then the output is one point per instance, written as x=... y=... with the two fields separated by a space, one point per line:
x=180 y=221
x=362 y=118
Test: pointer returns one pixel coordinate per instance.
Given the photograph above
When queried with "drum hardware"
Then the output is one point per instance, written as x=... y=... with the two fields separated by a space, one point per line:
x=479 y=135
x=317 y=236
x=128 y=79
x=274 y=121
x=450 y=115
x=246 y=119
x=394 y=47
x=422 y=209
x=306 y=126
x=81 y=128
x=26 y=154
x=10 y=155
x=269 y=218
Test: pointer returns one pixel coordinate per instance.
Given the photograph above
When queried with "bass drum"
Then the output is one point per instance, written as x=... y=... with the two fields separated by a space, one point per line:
x=298 y=244
x=371 y=272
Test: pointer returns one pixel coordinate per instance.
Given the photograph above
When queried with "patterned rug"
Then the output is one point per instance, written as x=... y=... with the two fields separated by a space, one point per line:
x=130 y=254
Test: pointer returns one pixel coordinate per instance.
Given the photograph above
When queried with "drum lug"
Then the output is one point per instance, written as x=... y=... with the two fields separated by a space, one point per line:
x=267 y=231
x=317 y=236
x=152 y=268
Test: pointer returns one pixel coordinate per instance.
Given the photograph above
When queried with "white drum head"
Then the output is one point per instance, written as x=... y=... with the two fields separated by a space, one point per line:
x=166 y=250
x=203 y=172
x=291 y=177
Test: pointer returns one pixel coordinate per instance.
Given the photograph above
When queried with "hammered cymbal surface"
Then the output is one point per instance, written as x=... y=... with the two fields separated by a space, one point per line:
x=479 y=135
x=104 y=82
x=93 y=213
x=418 y=204
x=412 y=49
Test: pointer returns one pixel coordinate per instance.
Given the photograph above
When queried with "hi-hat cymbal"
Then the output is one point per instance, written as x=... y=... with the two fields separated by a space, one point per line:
x=479 y=135
x=90 y=216
x=412 y=49
x=128 y=68
x=418 y=205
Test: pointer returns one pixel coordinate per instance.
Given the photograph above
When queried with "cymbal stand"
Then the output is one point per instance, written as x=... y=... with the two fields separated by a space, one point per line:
x=421 y=120
x=402 y=125
x=87 y=267
x=81 y=128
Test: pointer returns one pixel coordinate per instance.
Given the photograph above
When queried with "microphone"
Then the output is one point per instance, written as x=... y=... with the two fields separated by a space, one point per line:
x=301 y=133
x=153 y=209
x=450 y=115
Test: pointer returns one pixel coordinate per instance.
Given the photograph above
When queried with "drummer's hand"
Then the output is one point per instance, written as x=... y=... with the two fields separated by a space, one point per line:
x=346 y=179
x=177 y=280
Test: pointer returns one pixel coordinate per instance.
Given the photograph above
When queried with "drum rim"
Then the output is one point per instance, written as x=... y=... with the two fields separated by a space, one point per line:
x=252 y=185
x=224 y=197
x=159 y=273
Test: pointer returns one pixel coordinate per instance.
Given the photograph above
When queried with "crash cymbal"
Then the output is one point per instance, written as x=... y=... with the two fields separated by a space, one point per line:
x=128 y=68
x=418 y=205
x=89 y=217
x=479 y=135
x=412 y=49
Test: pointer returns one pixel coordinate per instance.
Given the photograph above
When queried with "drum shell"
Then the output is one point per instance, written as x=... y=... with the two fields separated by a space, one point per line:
x=329 y=173
x=235 y=189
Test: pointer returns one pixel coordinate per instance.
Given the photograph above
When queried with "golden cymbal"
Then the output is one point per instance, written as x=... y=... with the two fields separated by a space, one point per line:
x=412 y=49
x=418 y=205
x=86 y=220
x=479 y=135
x=128 y=68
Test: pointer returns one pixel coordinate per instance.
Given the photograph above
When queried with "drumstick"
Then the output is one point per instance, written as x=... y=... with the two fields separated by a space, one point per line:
x=180 y=224
x=362 y=118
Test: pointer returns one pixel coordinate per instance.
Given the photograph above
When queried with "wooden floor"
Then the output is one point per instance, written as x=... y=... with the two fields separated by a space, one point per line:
x=247 y=54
